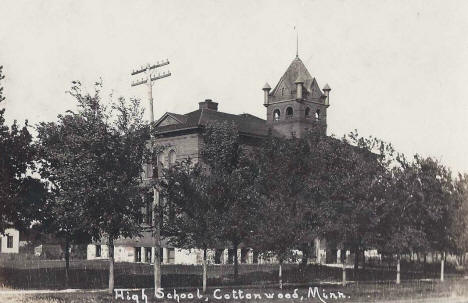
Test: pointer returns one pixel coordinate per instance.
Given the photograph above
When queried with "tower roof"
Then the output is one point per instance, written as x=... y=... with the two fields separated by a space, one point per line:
x=297 y=71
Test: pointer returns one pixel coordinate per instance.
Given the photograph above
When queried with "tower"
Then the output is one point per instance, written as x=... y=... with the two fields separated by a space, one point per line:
x=297 y=105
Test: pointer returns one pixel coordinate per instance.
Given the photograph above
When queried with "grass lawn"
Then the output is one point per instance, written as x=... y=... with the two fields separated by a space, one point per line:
x=368 y=285
x=418 y=291
x=84 y=274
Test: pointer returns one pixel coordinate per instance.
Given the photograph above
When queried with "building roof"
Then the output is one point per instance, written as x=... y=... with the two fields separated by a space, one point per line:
x=246 y=123
x=298 y=71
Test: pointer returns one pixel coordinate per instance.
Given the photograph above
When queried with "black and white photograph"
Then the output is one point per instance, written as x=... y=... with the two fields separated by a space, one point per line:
x=189 y=151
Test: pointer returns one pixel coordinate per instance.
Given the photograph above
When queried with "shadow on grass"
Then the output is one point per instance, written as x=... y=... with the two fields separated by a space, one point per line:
x=129 y=275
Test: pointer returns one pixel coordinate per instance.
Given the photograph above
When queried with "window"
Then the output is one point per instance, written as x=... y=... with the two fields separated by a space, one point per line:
x=317 y=114
x=98 y=250
x=282 y=91
x=171 y=255
x=148 y=254
x=161 y=161
x=244 y=254
x=307 y=112
x=148 y=218
x=289 y=112
x=137 y=254
x=172 y=158
x=149 y=170
x=276 y=115
x=217 y=256
x=9 y=241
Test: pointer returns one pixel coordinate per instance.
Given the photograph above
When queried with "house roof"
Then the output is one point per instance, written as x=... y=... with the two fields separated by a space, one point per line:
x=297 y=71
x=246 y=123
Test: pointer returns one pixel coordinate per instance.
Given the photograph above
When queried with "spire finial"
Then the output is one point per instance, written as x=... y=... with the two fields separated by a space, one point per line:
x=297 y=42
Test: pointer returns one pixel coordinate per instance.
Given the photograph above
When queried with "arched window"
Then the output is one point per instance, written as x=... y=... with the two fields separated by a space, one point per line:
x=317 y=114
x=276 y=115
x=149 y=170
x=307 y=112
x=289 y=112
x=282 y=91
x=161 y=160
x=172 y=158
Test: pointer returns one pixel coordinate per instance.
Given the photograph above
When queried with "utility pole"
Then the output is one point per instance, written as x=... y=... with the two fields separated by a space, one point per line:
x=149 y=81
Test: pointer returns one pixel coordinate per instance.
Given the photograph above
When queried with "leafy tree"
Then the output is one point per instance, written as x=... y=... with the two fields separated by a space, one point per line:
x=351 y=176
x=440 y=203
x=230 y=184
x=21 y=196
x=403 y=214
x=190 y=218
x=460 y=226
x=93 y=159
x=288 y=215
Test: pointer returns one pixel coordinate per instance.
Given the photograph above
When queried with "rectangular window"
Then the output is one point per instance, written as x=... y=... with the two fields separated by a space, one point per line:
x=244 y=252
x=218 y=254
x=171 y=255
x=148 y=254
x=9 y=241
x=149 y=170
x=98 y=250
x=137 y=254
x=149 y=212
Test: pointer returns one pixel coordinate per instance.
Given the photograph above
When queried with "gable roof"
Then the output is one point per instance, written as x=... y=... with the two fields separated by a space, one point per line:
x=246 y=123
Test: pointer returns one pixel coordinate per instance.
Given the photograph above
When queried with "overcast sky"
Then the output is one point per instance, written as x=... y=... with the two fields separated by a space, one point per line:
x=398 y=69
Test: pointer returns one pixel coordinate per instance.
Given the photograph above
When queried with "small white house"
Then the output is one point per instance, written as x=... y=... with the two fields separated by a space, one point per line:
x=9 y=241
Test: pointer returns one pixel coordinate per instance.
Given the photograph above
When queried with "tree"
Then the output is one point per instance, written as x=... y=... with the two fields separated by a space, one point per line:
x=351 y=178
x=94 y=163
x=230 y=184
x=64 y=211
x=288 y=219
x=190 y=219
x=403 y=214
x=440 y=202
x=460 y=226
x=21 y=196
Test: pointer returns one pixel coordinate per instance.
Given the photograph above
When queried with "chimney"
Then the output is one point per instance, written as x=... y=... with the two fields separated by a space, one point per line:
x=208 y=104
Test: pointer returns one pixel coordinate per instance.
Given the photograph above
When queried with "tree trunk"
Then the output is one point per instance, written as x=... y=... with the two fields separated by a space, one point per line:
x=344 y=273
x=236 y=262
x=442 y=261
x=111 y=265
x=363 y=256
x=204 y=270
x=305 y=253
x=356 y=263
x=398 y=270
x=280 y=274
x=356 y=259
x=67 y=262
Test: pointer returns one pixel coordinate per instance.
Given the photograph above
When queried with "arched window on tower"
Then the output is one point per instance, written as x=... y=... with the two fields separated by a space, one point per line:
x=276 y=115
x=317 y=115
x=307 y=112
x=289 y=112
x=172 y=158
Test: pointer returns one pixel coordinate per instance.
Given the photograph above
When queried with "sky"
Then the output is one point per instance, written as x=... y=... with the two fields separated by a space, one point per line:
x=397 y=69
